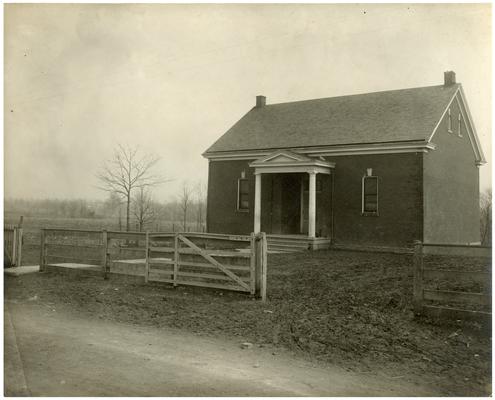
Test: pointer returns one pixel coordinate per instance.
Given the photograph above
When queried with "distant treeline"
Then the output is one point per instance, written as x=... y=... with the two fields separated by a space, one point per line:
x=144 y=213
x=55 y=208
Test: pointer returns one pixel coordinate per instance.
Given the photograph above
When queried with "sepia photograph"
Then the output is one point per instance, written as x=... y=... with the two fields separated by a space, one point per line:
x=247 y=200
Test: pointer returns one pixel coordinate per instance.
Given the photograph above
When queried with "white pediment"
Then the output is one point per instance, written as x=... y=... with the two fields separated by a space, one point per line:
x=281 y=158
x=287 y=161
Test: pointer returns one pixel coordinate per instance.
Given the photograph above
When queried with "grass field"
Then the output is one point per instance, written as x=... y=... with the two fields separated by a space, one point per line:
x=351 y=309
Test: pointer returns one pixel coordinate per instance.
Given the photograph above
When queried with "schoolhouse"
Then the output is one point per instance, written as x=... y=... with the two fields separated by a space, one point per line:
x=376 y=169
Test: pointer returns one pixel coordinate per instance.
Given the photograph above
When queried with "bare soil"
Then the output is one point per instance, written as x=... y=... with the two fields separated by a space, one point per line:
x=349 y=309
x=61 y=353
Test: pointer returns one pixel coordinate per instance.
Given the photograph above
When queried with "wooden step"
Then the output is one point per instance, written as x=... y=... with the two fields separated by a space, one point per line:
x=303 y=246
x=290 y=239
x=287 y=248
x=293 y=243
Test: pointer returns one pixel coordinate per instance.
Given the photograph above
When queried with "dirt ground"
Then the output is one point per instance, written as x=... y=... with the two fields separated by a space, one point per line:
x=64 y=354
x=347 y=309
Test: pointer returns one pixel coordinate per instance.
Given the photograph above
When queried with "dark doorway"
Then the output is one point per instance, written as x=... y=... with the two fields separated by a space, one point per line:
x=281 y=204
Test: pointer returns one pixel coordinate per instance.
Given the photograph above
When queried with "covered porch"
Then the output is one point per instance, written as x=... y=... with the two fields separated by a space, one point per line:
x=293 y=200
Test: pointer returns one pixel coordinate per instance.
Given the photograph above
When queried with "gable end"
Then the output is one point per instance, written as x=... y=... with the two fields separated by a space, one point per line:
x=459 y=98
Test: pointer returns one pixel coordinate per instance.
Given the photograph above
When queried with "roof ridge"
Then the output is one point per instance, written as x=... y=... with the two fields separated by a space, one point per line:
x=383 y=116
x=359 y=94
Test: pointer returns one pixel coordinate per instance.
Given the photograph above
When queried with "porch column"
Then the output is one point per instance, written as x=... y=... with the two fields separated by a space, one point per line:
x=312 y=205
x=257 y=203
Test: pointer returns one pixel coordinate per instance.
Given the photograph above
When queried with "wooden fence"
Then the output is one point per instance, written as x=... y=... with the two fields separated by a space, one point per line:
x=424 y=293
x=232 y=262
x=12 y=244
x=70 y=246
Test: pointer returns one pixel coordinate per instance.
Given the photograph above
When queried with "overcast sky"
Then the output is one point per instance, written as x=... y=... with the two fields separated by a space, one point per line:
x=173 y=78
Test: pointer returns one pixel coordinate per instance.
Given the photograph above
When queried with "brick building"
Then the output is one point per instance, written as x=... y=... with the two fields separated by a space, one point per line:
x=376 y=169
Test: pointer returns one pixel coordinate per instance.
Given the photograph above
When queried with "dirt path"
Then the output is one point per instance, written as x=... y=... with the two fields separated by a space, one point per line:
x=65 y=355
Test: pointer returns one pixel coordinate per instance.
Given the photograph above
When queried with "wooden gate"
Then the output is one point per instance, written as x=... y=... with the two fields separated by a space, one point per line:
x=12 y=244
x=233 y=262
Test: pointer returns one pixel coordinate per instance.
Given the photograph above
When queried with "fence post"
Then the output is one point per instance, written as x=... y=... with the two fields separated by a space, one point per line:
x=261 y=261
x=252 y=264
x=19 y=247
x=418 y=277
x=42 y=251
x=14 y=247
x=107 y=267
x=263 y=266
x=19 y=241
x=258 y=261
x=176 y=258
x=104 y=243
x=147 y=262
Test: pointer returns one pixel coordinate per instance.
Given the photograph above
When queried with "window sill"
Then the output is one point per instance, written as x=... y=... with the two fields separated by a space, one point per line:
x=370 y=214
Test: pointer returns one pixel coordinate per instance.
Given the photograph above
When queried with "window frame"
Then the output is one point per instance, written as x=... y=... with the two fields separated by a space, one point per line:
x=363 y=211
x=238 y=205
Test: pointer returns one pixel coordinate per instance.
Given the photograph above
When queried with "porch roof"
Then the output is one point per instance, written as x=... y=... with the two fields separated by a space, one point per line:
x=285 y=161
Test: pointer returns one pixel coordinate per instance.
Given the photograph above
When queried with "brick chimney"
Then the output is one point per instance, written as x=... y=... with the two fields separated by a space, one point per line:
x=260 y=101
x=448 y=78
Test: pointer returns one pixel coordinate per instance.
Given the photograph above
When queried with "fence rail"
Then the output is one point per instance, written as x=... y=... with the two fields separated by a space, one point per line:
x=423 y=294
x=233 y=262
x=12 y=244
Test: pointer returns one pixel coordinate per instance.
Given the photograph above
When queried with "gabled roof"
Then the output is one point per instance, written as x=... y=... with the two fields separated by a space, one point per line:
x=381 y=117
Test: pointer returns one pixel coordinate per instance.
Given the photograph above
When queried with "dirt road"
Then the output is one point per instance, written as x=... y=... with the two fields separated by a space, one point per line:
x=64 y=355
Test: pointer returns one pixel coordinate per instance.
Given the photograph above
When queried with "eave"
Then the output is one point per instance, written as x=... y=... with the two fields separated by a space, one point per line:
x=335 y=150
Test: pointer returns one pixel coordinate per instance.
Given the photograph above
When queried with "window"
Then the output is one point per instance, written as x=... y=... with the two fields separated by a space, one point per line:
x=459 y=132
x=243 y=194
x=450 y=122
x=370 y=195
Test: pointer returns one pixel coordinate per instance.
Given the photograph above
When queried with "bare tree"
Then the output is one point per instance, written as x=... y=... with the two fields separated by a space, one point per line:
x=486 y=217
x=144 y=208
x=184 y=203
x=127 y=170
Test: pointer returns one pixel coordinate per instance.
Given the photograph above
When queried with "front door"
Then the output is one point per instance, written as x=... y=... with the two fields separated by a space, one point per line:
x=290 y=204
x=304 y=204
x=280 y=198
